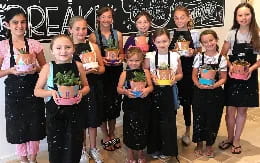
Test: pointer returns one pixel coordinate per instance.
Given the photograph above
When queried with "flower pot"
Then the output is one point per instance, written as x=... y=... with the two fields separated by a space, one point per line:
x=137 y=88
x=164 y=76
x=89 y=60
x=68 y=91
x=240 y=71
x=112 y=55
x=141 y=42
x=25 y=62
x=68 y=101
x=207 y=77
x=183 y=48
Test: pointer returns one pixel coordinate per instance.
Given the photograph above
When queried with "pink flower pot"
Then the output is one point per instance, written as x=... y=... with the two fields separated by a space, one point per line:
x=25 y=62
x=68 y=101
x=24 y=68
x=68 y=91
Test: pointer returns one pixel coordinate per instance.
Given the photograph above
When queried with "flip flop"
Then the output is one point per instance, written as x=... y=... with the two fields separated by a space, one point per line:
x=225 y=145
x=234 y=148
x=198 y=152
x=116 y=143
x=107 y=144
x=210 y=154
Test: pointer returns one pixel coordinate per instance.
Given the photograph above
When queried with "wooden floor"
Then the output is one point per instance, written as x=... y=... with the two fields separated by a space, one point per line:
x=250 y=142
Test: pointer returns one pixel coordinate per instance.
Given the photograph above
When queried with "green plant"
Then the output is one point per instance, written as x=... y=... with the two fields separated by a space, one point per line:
x=139 y=77
x=112 y=44
x=66 y=79
x=207 y=67
x=22 y=51
x=84 y=51
x=241 y=62
x=181 y=38
x=163 y=66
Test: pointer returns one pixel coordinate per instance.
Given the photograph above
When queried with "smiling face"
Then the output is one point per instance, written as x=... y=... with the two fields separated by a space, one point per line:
x=162 y=43
x=17 y=25
x=181 y=19
x=142 y=24
x=243 y=16
x=209 y=42
x=78 y=30
x=62 y=48
x=134 y=62
x=105 y=19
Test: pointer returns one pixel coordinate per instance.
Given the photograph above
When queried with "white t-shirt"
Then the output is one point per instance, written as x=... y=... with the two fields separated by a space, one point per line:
x=210 y=60
x=163 y=59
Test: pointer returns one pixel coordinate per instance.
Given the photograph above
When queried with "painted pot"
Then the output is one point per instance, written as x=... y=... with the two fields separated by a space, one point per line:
x=137 y=88
x=89 y=60
x=239 y=72
x=164 y=76
x=183 y=48
x=25 y=62
x=112 y=55
x=68 y=91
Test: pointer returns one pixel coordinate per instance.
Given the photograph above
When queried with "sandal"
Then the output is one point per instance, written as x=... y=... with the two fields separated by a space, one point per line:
x=116 y=143
x=225 y=144
x=107 y=144
x=130 y=161
x=210 y=154
x=198 y=152
x=236 y=149
x=141 y=160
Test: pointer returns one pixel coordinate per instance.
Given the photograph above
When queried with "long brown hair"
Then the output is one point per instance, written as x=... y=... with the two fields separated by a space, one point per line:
x=253 y=27
x=210 y=32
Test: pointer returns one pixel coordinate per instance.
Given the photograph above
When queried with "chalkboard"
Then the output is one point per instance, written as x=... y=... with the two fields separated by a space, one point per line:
x=47 y=18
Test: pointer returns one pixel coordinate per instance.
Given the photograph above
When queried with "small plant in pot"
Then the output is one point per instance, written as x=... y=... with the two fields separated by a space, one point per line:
x=68 y=86
x=138 y=83
x=207 y=75
x=89 y=59
x=112 y=51
x=240 y=69
x=183 y=46
x=24 y=61
x=164 y=74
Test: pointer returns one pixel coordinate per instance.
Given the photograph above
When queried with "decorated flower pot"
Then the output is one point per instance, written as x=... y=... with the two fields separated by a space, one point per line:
x=183 y=47
x=164 y=76
x=137 y=88
x=141 y=42
x=112 y=55
x=207 y=77
x=89 y=60
x=68 y=91
x=240 y=70
x=25 y=62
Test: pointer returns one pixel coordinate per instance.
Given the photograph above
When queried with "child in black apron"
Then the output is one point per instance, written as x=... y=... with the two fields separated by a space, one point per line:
x=25 y=113
x=208 y=100
x=242 y=43
x=64 y=122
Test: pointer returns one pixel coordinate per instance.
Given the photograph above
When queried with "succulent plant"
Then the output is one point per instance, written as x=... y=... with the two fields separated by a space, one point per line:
x=139 y=77
x=112 y=44
x=241 y=62
x=66 y=79
x=181 y=38
x=22 y=51
x=207 y=67
x=163 y=66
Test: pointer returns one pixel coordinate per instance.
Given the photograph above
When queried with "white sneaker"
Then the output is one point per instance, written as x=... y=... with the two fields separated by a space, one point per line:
x=165 y=157
x=95 y=155
x=155 y=155
x=84 y=157
x=186 y=139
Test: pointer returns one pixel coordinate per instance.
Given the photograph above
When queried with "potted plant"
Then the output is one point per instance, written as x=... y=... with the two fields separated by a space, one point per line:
x=207 y=75
x=164 y=74
x=68 y=86
x=240 y=69
x=24 y=61
x=182 y=45
x=138 y=83
x=89 y=59
x=112 y=51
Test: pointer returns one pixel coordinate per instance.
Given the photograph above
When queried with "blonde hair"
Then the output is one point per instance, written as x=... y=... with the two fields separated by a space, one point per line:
x=60 y=36
x=132 y=51
x=75 y=19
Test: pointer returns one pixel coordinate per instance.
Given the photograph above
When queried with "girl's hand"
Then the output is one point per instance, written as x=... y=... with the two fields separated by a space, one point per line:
x=55 y=95
x=201 y=86
x=173 y=79
x=128 y=93
x=145 y=92
x=32 y=70
x=13 y=71
x=80 y=94
x=154 y=79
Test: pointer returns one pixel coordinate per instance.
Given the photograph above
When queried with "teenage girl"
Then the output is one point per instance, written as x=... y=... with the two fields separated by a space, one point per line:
x=242 y=42
x=208 y=100
x=162 y=134
x=64 y=122
x=25 y=113
x=111 y=99
x=136 y=109
x=93 y=101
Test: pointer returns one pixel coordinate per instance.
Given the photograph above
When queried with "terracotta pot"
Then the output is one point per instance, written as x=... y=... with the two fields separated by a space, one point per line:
x=208 y=74
x=164 y=74
x=240 y=69
x=68 y=91
x=137 y=86
x=112 y=54
x=88 y=57
x=25 y=59
x=184 y=45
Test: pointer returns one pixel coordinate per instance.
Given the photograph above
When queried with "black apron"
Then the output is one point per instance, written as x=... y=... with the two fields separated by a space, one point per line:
x=242 y=93
x=25 y=113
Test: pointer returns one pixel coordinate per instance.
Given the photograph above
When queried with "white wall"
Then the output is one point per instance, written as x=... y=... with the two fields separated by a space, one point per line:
x=7 y=150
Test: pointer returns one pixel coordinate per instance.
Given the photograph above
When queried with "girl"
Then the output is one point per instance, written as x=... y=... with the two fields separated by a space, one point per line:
x=208 y=101
x=135 y=109
x=183 y=21
x=112 y=100
x=64 y=122
x=163 y=132
x=93 y=101
x=25 y=117
x=242 y=42
x=143 y=22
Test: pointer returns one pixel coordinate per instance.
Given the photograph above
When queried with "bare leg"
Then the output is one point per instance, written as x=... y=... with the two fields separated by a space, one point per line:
x=130 y=155
x=187 y=132
x=105 y=133
x=240 y=123
x=231 y=121
x=111 y=127
x=141 y=157
x=92 y=137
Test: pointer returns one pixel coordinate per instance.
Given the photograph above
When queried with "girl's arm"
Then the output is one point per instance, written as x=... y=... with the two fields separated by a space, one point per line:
x=120 y=86
x=120 y=46
x=92 y=38
x=39 y=90
x=254 y=66
x=8 y=71
x=84 y=82
x=194 y=76
x=179 y=74
x=41 y=60
x=224 y=51
x=149 y=87
x=222 y=79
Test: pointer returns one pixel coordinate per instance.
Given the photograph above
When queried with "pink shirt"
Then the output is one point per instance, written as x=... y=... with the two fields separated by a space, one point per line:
x=34 y=47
